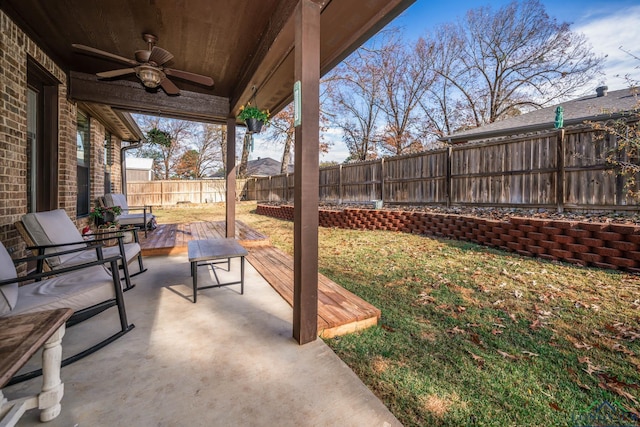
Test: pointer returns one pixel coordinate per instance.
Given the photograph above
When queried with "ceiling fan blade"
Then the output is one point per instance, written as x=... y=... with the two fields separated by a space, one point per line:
x=115 y=73
x=103 y=54
x=169 y=87
x=185 y=75
x=160 y=56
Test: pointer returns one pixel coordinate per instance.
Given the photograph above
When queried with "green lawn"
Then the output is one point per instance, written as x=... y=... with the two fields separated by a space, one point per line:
x=471 y=335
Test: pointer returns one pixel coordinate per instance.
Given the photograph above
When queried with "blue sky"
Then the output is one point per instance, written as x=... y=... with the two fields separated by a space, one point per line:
x=608 y=24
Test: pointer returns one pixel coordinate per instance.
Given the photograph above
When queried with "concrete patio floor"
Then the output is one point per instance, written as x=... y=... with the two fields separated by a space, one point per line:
x=228 y=360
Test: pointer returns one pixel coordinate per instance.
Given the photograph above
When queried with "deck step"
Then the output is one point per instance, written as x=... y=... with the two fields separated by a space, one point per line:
x=339 y=311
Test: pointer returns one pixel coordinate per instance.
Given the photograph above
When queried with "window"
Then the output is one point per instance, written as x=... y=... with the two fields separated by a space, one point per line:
x=108 y=161
x=42 y=139
x=83 y=145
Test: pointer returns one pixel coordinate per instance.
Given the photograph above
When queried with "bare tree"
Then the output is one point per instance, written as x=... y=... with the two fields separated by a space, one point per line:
x=179 y=133
x=208 y=144
x=354 y=90
x=282 y=131
x=516 y=58
x=406 y=76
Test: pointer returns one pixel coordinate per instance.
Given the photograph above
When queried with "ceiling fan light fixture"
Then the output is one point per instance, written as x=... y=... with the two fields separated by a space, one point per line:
x=150 y=76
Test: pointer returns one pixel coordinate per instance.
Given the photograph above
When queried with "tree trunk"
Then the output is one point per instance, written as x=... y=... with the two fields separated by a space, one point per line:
x=286 y=155
x=242 y=169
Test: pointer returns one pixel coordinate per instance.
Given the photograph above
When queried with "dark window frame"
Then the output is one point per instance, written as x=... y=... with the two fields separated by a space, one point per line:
x=45 y=164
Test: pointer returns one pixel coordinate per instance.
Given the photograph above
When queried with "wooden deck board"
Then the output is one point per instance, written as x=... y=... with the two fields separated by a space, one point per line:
x=339 y=311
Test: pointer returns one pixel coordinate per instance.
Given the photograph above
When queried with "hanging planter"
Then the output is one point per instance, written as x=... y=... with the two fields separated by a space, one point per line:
x=254 y=125
x=254 y=117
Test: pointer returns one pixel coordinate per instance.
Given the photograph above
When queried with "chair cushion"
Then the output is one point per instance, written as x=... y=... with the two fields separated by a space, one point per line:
x=8 y=293
x=115 y=199
x=134 y=219
x=53 y=227
x=76 y=290
x=131 y=250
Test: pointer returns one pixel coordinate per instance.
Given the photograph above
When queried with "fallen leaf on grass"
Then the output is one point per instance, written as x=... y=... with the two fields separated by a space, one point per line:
x=496 y=331
x=574 y=377
x=475 y=338
x=536 y=324
x=530 y=354
x=425 y=298
x=555 y=406
x=461 y=309
x=517 y=293
x=591 y=368
x=456 y=330
x=615 y=388
x=582 y=346
x=387 y=328
x=513 y=317
x=623 y=349
x=507 y=355
x=479 y=360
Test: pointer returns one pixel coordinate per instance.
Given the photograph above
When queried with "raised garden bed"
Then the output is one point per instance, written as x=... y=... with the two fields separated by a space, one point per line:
x=611 y=242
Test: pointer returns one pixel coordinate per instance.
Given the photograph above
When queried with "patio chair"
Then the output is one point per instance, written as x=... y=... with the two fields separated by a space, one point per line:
x=145 y=219
x=86 y=288
x=53 y=231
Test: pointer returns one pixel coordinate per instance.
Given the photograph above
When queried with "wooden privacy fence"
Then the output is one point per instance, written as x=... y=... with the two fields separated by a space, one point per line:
x=555 y=169
x=172 y=192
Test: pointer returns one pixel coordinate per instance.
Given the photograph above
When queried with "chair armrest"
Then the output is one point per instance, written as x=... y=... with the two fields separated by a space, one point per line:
x=43 y=256
x=146 y=208
x=45 y=274
x=40 y=248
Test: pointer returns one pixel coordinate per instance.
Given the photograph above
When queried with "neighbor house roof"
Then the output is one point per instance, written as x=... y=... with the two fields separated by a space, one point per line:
x=265 y=167
x=577 y=111
x=138 y=163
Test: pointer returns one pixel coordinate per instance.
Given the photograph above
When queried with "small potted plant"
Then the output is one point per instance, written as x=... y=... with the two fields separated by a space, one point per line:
x=105 y=216
x=254 y=117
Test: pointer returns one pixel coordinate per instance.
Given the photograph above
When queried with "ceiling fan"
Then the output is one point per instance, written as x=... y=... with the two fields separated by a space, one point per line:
x=148 y=66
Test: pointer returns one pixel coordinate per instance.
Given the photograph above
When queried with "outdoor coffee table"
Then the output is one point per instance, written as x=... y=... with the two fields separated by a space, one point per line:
x=210 y=252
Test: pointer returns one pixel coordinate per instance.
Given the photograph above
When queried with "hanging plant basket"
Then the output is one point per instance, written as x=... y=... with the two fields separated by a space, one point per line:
x=254 y=125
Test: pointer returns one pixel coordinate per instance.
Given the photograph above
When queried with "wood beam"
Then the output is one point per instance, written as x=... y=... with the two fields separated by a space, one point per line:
x=274 y=48
x=231 y=178
x=305 y=258
x=132 y=96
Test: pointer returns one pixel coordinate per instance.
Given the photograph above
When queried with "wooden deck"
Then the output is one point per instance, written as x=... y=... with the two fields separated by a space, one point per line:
x=339 y=311
x=170 y=239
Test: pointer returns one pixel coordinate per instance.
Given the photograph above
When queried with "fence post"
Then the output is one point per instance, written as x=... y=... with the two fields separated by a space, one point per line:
x=447 y=179
x=560 y=171
x=286 y=187
x=382 y=195
x=340 y=186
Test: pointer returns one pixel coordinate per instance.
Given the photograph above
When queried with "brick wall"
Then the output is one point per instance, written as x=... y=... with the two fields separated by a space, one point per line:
x=603 y=245
x=15 y=48
x=13 y=128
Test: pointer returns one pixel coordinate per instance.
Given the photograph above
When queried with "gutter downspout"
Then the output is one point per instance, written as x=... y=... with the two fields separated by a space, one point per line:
x=123 y=164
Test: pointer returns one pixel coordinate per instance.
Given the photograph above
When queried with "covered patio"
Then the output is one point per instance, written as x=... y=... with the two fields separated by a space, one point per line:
x=227 y=360
x=255 y=52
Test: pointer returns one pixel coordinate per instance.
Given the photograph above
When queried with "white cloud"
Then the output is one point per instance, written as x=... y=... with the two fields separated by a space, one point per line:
x=608 y=30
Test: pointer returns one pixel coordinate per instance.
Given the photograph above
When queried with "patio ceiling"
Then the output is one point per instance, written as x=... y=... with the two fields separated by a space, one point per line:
x=241 y=44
